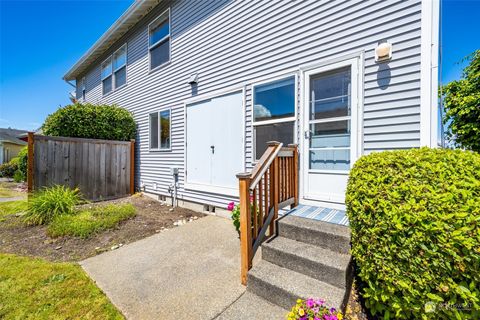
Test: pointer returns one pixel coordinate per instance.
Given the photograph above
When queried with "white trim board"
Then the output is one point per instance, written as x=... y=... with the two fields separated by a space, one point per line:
x=429 y=73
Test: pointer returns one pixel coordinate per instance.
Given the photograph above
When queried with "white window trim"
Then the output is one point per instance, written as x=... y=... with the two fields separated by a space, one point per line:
x=113 y=70
x=293 y=119
x=83 y=89
x=159 y=149
x=163 y=15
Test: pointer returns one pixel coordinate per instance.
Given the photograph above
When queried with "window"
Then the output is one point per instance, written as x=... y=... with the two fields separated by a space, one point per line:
x=160 y=127
x=114 y=70
x=159 y=40
x=120 y=66
x=107 y=76
x=273 y=113
x=82 y=85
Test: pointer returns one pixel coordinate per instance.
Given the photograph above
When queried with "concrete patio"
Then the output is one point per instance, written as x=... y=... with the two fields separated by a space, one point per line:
x=189 y=272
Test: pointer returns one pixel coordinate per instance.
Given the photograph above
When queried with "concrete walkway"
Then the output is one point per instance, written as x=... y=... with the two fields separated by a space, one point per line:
x=189 y=272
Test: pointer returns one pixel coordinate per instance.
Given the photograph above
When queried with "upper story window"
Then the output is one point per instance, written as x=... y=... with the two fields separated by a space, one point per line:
x=160 y=128
x=83 y=88
x=120 y=66
x=114 y=70
x=159 y=40
x=273 y=113
x=107 y=76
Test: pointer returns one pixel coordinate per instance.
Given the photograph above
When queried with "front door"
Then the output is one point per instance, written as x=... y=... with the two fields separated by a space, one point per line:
x=330 y=130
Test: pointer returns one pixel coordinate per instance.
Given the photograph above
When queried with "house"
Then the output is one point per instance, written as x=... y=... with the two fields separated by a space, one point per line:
x=10 y=144
x=210 y=82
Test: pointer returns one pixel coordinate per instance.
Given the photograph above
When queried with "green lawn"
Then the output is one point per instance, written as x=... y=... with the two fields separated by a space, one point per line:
x=37 y=289
x=12 y=207
x=89 y=221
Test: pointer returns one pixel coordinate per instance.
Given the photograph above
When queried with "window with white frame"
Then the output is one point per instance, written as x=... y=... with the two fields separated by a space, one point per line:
x=160 y=130
x=107 y=76
x=159 y=40
x=273 y=113
x=120 y=67
x=114 y=70
x=83 y=87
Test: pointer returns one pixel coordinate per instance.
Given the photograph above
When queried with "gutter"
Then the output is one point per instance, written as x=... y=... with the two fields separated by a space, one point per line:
x=136 y=5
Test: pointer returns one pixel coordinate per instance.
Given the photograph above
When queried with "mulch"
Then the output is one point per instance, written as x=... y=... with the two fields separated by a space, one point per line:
x=151 y=217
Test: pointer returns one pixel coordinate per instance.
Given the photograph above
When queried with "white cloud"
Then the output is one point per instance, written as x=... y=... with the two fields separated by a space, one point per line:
x=260 y=111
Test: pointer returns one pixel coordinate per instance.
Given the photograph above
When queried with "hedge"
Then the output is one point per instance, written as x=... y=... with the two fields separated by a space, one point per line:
x=78 y=120
x=415 y=223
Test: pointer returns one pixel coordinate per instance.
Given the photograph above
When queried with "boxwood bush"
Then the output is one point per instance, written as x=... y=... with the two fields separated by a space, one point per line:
x=415 y=222
x=78 y=120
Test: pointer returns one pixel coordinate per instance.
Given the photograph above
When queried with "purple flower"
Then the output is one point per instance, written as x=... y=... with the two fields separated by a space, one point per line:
x=230 y=206
x=310 y=303
x=332 y=310
x=319 y=302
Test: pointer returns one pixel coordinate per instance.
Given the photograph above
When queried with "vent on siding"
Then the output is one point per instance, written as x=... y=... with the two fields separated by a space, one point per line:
x=208 y=208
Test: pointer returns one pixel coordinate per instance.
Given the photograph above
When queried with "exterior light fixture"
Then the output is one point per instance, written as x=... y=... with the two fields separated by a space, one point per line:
x=193 y=78
x=383 y=51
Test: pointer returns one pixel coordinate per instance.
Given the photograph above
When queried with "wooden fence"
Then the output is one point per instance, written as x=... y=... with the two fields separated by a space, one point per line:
x=101 y=169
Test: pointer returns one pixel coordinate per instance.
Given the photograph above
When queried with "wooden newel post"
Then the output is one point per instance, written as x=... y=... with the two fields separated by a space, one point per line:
x=132 y=166
x=30 y=163
x=245 y=226
x=295 y=173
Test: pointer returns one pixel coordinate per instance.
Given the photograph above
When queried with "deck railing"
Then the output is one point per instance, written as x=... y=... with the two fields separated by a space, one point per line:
x=271 y=186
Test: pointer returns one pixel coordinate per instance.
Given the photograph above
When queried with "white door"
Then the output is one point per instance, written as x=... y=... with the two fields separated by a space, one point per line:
x=330 y=130
x=214 y=144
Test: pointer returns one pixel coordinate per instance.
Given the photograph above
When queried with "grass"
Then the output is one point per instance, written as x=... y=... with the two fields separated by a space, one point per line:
x=37 y=289
x=12 y=207
x=89 y=221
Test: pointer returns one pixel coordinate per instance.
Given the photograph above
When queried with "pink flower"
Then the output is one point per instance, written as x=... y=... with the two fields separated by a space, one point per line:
x=310 y=303
x=231 y=206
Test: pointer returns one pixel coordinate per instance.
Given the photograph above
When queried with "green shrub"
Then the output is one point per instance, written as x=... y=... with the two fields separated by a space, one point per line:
x=23 y=162
x=415 y=222
x=108 y=122
x=18 y=176
x=89 y=221
x=51 y=202
x=7 y=170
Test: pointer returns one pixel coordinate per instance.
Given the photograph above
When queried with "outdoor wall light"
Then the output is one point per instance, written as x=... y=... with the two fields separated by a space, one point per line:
x=193 y=78
x=383 y=51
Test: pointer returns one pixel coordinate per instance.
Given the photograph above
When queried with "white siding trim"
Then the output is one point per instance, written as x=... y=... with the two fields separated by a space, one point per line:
x=429 y=73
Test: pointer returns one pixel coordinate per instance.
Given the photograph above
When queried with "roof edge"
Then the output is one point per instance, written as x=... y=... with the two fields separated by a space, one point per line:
x=138 y=6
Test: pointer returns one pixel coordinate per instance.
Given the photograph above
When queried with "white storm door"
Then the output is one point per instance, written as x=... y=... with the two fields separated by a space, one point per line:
x=330 y=130
x=215 y=144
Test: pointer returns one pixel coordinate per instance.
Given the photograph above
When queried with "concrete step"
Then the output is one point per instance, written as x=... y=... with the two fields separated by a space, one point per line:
x=251 y=306
x=323 y=234
x=316 y=262
x=283 y=286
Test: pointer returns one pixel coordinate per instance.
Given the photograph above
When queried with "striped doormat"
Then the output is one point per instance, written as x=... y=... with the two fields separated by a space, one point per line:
x=318 y=213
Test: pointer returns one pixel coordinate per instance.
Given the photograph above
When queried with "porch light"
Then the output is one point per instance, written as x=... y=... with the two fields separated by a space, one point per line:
x=383 y=52
x=193 y=78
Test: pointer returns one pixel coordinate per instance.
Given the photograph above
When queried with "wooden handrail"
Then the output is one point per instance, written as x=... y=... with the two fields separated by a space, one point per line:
x=269 y=187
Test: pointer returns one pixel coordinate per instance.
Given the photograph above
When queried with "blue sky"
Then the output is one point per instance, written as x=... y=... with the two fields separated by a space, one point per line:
x=41 y=40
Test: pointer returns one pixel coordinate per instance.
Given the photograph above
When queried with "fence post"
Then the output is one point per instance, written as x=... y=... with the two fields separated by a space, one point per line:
x=245 y=226
x=132 y=166
x=30 y=163
x=295 y=173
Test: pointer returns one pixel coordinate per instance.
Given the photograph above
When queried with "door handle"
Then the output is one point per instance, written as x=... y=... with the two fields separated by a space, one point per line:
x=307 y=134
x=213 y=149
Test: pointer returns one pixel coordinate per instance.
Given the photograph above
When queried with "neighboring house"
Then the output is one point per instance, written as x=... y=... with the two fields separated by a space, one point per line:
x=10 y=144
x=210 y=82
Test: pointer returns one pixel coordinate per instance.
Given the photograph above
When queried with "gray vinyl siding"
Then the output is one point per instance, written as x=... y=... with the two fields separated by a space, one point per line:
x=235 y=43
